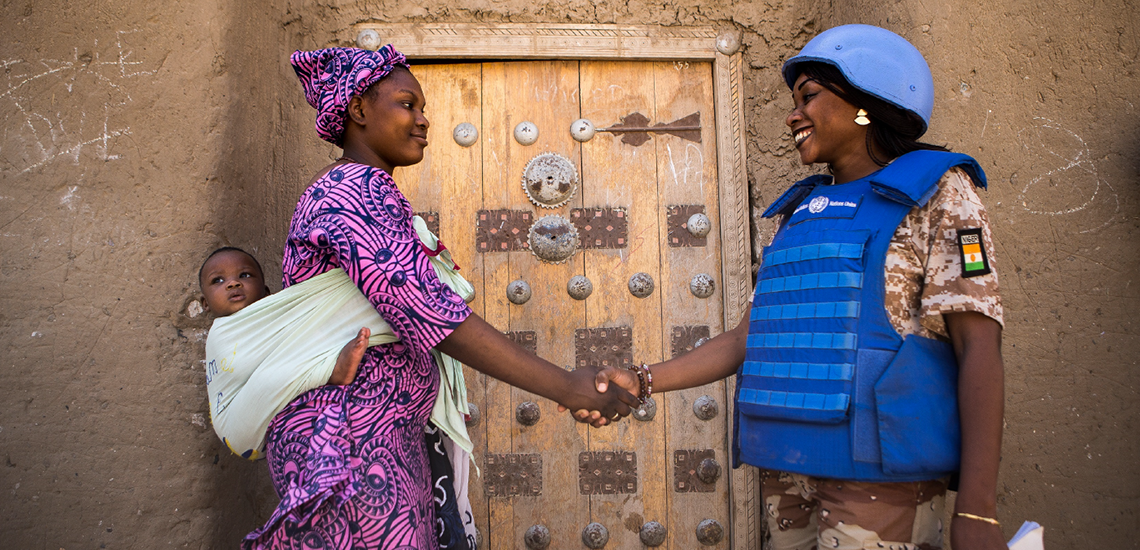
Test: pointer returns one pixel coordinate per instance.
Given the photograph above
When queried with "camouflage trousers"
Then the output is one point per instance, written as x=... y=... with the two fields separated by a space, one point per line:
x=808 y=513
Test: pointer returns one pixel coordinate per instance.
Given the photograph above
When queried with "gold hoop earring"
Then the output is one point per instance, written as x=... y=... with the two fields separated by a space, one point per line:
x=861 y=118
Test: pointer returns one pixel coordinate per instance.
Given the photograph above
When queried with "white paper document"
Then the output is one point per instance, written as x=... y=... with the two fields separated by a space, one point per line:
x=1031 y=536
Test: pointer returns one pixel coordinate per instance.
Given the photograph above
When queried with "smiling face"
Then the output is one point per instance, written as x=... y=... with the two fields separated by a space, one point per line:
x=391 y=122
x=823 y=127
x=230 y=281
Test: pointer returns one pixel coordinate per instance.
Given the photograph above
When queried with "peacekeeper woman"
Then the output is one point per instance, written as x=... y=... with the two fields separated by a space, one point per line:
x=869 y=369
x=350 y=462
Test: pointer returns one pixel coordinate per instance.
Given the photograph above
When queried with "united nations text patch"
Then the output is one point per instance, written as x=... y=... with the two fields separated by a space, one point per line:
x=973 y=252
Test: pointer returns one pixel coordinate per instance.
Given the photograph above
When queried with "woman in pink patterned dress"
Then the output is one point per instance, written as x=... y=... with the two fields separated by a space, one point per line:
x=349 y=462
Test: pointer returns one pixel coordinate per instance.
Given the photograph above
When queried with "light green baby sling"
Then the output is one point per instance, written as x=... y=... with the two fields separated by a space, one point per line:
x=264 y=356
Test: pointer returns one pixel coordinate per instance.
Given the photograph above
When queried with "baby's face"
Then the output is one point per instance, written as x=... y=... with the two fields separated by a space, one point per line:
x=230 y=281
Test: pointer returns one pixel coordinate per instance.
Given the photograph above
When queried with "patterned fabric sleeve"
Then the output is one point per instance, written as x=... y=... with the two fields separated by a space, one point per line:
x=934 y=240
x=355 y=218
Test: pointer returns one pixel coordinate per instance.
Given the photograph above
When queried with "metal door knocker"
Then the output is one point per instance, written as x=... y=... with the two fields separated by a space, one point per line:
x=553 y=239
x=550 y=180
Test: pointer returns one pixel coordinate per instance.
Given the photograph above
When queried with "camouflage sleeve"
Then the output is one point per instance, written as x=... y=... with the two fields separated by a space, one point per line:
x=952 y=240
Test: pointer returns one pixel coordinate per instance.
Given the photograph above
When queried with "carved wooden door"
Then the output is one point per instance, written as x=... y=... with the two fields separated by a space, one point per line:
x=547 y=480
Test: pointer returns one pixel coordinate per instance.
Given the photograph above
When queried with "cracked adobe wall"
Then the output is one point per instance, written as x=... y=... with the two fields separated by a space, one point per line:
x=137 y=138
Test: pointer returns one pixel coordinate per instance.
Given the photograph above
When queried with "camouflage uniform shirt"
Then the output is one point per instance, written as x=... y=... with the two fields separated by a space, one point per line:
x=924 y=267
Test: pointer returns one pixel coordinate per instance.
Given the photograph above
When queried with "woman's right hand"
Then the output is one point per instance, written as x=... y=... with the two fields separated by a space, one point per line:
x=485 y=349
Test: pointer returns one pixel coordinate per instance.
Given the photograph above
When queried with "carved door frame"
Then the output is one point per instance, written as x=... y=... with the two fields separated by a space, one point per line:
x=482 y=42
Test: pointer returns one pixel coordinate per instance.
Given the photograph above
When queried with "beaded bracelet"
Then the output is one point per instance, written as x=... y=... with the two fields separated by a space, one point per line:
x=640 y=383
x=644 y=382
x=990 y=521
x=648 y=381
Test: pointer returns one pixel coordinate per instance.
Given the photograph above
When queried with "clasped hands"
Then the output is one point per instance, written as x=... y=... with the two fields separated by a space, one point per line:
x=596 y=402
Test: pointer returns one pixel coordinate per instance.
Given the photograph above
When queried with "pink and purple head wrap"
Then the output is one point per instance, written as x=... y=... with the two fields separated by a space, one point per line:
x=332 y=76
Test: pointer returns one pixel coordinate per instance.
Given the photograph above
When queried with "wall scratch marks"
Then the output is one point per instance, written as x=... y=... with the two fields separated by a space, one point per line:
x=41 y=123
x=1062 y=189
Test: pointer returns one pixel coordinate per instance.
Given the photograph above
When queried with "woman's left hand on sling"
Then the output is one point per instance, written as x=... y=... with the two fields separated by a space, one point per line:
x=977 y=345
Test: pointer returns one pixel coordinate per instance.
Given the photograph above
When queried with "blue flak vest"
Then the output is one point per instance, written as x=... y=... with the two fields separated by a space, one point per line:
x=828 y=388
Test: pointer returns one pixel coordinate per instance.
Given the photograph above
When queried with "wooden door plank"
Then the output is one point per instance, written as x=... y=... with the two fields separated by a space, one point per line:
x=448 y=183
x=688 y=176
x=498 y=413
x=545 y=94
x=618 y=174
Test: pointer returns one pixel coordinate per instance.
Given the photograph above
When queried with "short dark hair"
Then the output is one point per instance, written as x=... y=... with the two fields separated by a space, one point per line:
x=227 y=249
x=893 y=130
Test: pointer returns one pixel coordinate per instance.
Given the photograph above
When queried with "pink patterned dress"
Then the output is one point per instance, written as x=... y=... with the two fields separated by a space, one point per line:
x=349 y=462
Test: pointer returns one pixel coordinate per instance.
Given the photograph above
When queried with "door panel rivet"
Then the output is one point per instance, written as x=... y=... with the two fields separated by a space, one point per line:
x=698 y=225
x=595 y=536
x=582 y=130
x=708 y=470
x=702 y=285
x=465 y=134
x=368 y=39
x=709 y=532
x=728 y=43
x=527 y=413
x=652 y=534
x=646 y=411
x=472 y=415
x=518 y=292
x=526 y=133
x=579 y=287
x=537 y=537
x=705 y=407
x=641 y=284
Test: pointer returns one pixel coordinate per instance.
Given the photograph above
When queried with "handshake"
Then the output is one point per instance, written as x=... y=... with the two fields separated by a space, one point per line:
x=631 y=388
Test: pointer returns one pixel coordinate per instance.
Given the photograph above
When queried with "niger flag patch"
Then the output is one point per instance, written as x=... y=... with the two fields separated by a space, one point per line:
x=973 y=252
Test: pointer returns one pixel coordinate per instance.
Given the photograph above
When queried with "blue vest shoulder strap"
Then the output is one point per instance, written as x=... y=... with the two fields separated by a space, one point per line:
x=913 y=178
x=795 y=195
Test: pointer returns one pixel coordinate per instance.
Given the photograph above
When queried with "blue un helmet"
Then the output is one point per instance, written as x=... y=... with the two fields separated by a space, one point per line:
x=875 y=61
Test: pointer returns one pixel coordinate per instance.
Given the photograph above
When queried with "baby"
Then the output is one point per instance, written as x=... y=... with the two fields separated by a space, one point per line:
x=231 y=279
x=261 y=358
